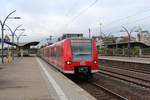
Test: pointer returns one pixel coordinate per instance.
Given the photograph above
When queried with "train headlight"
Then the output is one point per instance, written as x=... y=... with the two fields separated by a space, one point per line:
x=95 y=62
x=68 y=62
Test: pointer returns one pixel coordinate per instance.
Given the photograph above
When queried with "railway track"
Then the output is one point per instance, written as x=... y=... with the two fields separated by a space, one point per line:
x=131 y=69
x=131 y=66
x=117 y=90
x=118 y=96
x=139 y=81
x=98 y=91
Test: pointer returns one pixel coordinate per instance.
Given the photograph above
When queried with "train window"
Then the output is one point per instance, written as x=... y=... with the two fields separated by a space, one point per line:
x=82 y=50
x=60 y=50
x=47 y=52
x=50 y=52
x=57 y=52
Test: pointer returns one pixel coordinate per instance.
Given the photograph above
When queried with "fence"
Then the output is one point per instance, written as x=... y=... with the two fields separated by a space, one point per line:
x=27 y=52
x=124 y=52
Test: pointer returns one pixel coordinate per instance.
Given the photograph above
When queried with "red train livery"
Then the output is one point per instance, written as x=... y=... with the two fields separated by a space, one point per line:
x=72 y=56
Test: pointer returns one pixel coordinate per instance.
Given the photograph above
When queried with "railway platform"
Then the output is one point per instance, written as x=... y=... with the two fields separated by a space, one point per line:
x=127 y=59
x=30 y=78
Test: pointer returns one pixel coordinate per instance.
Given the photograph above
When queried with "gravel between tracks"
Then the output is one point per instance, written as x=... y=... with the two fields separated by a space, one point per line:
x=127 y=90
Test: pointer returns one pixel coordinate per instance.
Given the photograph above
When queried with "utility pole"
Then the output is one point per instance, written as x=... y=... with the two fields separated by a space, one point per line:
x=2 y=29
x=89 y=33
x=139 y=33
x=50 y=37
x=100 y=34
x=129 y=36
x=19 y=36
x=13 y=34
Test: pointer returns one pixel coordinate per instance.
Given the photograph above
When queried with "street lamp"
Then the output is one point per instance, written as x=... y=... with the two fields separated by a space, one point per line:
x=129 y=36
x=18 y=37
x=89 y=33
x=2 y=27
x=14 y=18
x=100 y=32
x=49 y=40
x=13 y=34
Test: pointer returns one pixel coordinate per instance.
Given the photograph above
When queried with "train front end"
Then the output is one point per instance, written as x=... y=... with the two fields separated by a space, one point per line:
x=83 y=59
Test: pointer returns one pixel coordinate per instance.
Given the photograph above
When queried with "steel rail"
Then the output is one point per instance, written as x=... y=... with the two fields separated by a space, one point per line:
x=109 y=91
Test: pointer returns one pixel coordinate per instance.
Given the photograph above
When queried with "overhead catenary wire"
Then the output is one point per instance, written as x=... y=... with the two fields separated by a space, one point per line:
x=141 y=19
x=127 y=17
x=112 y=22
x=134 y=21
x=72 y=8
x=79 y=14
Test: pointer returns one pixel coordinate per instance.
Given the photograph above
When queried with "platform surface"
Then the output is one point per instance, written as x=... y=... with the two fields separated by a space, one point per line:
x=127 y=59
x=30 y=78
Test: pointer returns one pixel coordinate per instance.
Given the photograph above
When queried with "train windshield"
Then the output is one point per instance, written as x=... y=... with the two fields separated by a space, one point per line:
x=81 y=49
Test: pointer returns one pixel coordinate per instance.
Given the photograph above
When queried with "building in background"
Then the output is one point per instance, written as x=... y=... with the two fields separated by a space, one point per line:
x=144 y=36
x=99 y=41
x=125 y=38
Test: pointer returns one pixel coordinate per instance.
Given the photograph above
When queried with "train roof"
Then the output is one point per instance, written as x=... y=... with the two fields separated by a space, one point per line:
x=61 y=41
x=80 y=39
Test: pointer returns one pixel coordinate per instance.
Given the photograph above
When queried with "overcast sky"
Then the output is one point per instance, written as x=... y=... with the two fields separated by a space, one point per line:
x=42 y=18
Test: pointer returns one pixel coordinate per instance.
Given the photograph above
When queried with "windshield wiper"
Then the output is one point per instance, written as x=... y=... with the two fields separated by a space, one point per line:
x=78 y=54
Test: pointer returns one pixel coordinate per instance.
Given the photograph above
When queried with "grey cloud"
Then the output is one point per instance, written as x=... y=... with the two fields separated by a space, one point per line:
x=47 y=16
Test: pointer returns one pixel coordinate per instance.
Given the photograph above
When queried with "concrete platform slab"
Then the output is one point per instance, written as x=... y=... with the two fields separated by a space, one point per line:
x=23 y=81
x=31 y=78
x=127 y=59
x=70 y=89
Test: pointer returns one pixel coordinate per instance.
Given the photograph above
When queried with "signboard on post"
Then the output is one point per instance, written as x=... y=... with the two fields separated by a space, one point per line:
x=7 y=38
x=8 y=59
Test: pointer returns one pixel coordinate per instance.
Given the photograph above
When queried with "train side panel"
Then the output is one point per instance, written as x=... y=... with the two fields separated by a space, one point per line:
x=56 y=55
x=94 y=66
x=68 y=66
x=61 y=56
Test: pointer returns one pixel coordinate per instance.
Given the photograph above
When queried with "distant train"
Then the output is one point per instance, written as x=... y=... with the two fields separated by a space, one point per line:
x=72 y=56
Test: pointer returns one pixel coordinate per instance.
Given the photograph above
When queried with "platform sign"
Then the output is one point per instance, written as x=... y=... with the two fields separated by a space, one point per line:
x=7 y=38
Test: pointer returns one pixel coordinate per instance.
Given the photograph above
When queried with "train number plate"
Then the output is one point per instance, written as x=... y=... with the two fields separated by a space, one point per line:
x=82 y=63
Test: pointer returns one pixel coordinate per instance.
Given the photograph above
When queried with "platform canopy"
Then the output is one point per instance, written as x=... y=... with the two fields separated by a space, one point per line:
x=8 y=42
x=28 y=44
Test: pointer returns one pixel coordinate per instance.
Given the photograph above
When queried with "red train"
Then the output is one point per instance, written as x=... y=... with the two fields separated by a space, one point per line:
x=72 y=56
